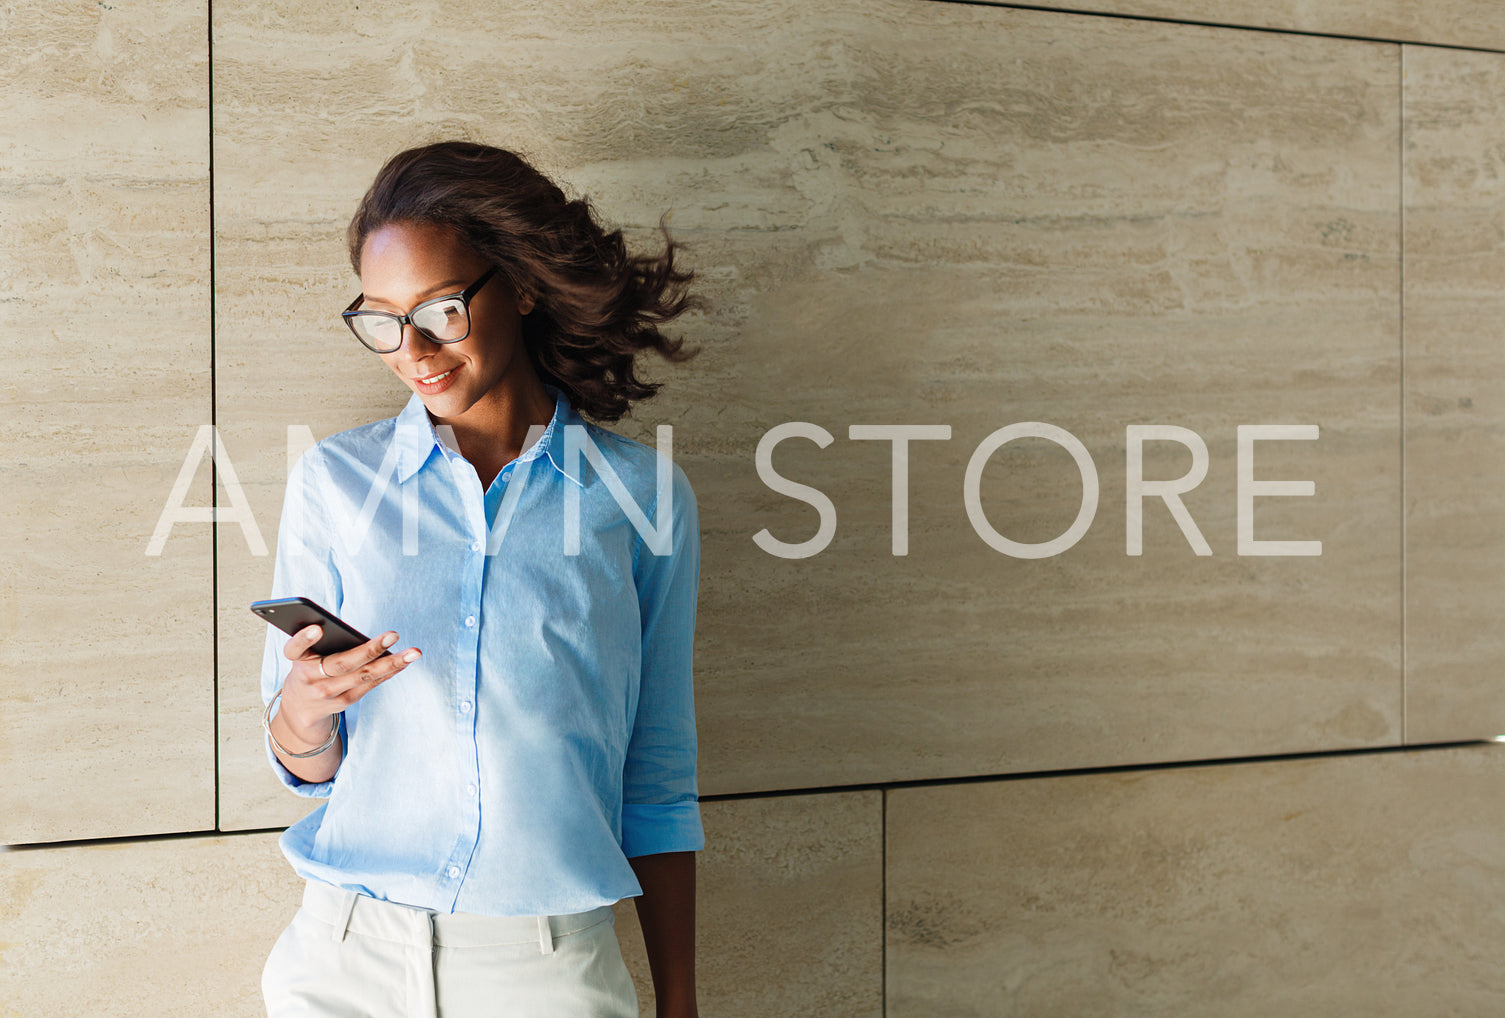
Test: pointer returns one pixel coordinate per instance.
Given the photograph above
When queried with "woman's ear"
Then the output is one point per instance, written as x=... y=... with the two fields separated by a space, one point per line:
x=524 y=303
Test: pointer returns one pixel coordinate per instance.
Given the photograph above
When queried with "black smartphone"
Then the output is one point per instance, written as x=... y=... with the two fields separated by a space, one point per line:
x=292 y=615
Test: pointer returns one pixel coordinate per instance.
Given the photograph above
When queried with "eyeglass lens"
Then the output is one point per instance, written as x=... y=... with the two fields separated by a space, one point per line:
x=444 y=321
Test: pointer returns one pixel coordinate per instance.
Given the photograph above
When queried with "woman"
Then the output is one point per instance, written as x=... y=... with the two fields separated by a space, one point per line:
x=530 y=758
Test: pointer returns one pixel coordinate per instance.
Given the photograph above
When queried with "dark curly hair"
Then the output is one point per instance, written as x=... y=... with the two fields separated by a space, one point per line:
x=595 y=306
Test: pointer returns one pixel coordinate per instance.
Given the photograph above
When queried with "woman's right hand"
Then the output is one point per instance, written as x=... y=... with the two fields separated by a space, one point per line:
x=310 y=697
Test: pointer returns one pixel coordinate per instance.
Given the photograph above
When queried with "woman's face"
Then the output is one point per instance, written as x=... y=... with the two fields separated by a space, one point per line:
x=405 y=264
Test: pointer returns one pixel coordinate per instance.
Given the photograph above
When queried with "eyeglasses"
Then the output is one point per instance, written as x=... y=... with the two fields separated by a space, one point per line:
x=441 y=319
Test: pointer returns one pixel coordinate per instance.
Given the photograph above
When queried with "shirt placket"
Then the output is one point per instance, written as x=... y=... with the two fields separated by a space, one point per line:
x=467 y=671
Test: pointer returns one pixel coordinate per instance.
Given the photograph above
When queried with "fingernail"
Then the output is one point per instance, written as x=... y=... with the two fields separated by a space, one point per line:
x=313 y=632
x=389 y=639
x=411 y=655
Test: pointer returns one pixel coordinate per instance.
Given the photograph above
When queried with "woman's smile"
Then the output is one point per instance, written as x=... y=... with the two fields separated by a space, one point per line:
x=432 y=385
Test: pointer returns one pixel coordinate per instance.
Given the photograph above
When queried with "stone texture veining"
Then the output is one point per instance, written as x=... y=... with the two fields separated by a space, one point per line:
x=1455 y=394
x=106 y=653
x=1358 y=885
x=1469 y=23
x=903 y=213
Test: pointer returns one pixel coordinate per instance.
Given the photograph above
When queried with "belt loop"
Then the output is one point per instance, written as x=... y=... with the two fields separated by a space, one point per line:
x=545 y=935
x=347 y=905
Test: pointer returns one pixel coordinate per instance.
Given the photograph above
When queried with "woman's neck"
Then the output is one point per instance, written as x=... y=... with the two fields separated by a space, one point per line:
x=494 y=431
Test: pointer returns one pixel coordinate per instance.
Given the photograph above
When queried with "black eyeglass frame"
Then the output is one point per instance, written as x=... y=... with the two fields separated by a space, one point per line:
x=465 y=296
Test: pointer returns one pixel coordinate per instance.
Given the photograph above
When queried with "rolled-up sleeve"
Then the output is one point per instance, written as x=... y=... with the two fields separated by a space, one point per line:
x=304 y=567
x=660 y=798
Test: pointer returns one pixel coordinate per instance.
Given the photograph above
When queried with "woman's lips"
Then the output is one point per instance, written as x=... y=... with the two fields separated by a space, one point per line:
x=436 y=383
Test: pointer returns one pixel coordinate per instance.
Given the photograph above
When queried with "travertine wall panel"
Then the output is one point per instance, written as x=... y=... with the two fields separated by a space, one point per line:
x=1455 y=394
x=177 y=927
x=106 y=653
x=789 y=916
x=1067 y=250
x=183 y=926
x=904 y=213
x=1353 y=885
x=1444 y=22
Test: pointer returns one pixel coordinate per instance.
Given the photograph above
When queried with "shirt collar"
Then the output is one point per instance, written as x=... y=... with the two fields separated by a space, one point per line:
x=415 y=437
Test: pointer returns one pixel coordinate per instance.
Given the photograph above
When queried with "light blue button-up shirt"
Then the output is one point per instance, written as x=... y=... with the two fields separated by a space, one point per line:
x=547 y=734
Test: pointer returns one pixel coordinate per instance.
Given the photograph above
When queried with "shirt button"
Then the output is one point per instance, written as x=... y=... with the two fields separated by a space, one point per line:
x=470 y=790
x=454 y=871
x=464 y=706
x=506 y=474
x=470 y=620
x=475 y=546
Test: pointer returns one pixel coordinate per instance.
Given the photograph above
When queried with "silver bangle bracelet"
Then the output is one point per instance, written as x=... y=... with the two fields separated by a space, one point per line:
x=266 y=722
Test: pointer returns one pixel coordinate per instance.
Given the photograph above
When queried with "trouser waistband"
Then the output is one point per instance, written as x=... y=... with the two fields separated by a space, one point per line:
x=359 y=913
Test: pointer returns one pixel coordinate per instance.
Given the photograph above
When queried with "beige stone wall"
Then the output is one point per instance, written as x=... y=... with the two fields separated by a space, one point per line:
x=107 y=655
x=1458 y=23
x=938 y=776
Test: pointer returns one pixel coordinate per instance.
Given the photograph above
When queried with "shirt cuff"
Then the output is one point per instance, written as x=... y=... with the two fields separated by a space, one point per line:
x=311 y=789
x=650 y=828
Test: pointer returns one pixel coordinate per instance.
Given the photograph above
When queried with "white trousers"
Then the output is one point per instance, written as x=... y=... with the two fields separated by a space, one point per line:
x=346 y=955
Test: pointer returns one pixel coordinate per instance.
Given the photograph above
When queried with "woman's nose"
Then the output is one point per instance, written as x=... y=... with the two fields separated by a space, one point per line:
x=414 y=343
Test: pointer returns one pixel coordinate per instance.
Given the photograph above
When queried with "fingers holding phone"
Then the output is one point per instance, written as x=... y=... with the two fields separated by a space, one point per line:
x=334 y=664
x=319 y=687
x=345 y=677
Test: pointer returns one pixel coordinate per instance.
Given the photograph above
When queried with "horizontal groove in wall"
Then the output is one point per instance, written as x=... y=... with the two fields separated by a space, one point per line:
x=970 y=779
x=137 y=839
x=1056 y=9
x=1069 y=772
